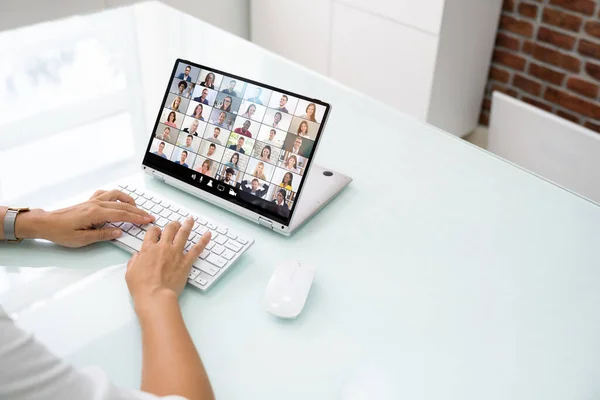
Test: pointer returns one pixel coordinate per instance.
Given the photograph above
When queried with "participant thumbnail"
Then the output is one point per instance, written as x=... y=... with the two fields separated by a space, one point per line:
x=271 y=136
x=216 y=135
x=304 y=128
x=183 y=157
x=242 y=126
x=204 y=95
x=199 y=111
x=177 y=103
x=240 y=143
x=211 y=150
x=193 y=126
x=260 y=169
x=292 y=162
x=257 y=94
x=206 y=166
x=252 y=111
x=310 y=111
x=277 y=119
x=282 y=199
x=235 y=160
x=189 y=142
x=166 y=133
x=186 y=72
x=254 y=186
x=229 y=175
x=222 y=119
x=297 y=145
x=233 y=86
x=161 y=148
x=266 y=153
x=286 y=179
x=283 y=102
x=187 y=93
x=209 y=79
x=171 y=118
x=179 y=87
x=226 y=102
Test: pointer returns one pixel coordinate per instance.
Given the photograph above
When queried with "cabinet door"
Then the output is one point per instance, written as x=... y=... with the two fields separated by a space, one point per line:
x=425 y=15
x=297 y=30
x=383 y=59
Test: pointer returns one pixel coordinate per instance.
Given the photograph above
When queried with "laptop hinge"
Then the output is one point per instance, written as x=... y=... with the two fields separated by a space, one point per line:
x=265 y=222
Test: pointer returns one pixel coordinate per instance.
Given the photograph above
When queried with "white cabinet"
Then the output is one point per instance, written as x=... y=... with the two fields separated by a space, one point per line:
x=427 y=58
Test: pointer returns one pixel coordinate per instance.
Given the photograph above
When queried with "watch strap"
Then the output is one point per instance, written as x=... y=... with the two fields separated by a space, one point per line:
x=10 y=220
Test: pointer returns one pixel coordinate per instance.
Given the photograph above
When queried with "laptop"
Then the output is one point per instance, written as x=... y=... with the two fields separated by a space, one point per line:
x=242 y=145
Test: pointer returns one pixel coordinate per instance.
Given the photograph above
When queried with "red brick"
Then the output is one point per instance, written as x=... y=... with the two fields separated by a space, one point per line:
x=520 y=27
x=553 y=57
x=573 y=103
x=486 y=105
x=509 y=59
x=499 y=74
x=556 y=38
x=508 y=5
x=568 y=116
x=593 y=70
x=537 y=103
x=506 y=90
x=589 y=49
x=528 y=10
x=581 y=6
x=593 y=28
x=527 y=85
x=546 y=74
x=585 y=88
x=592 y=126
x=484 y=118
x=506 y=41
x=562 y=19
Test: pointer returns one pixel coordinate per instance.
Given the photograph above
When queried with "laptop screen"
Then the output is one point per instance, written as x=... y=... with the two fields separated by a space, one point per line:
x=243 y=141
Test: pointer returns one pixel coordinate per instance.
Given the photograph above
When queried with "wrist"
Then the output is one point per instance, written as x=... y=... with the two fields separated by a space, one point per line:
x=154 y=302
x=30 y=224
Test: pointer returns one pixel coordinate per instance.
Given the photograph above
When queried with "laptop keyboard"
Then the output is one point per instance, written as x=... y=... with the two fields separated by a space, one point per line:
x=225 y=247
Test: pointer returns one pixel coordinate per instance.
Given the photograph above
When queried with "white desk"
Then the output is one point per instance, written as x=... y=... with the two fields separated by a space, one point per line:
x=442 y=271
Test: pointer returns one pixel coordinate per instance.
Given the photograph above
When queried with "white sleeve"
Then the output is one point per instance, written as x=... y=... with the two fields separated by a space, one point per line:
x=29 y=371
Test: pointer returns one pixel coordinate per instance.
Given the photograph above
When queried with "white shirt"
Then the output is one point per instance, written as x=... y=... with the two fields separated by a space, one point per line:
x=29 y=371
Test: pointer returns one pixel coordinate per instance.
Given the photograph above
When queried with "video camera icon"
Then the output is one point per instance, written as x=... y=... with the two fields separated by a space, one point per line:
x=232 y=192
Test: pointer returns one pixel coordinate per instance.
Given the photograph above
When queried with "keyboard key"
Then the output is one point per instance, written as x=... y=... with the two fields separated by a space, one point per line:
x=212 y=227
x=196 y=239
x=242 y=241
x=209 y=269
x=165 y=213
x=201 y=221
x=142 y=235
x=232 y=245
x=133 y=242
x=165 y=204
x=126 y=226
x=147 y=196
x=157 y=209
x=191 y=237
x=148 y=205
x=140 y=201
x=218 y=249
x=216 y=260
x=117 y=224
x=228 y=254
x=134 y=230
x=134 y=196
x=162 y=222
x=204 y=254
x=183 y=213
x=146 y=226
x=188 y=246
x=220 y=239
x=200 y=281
x=222 y=231
x=201 y=229
x=231 y=235
x=210 y=245
x=174 y=208
x=194 y=273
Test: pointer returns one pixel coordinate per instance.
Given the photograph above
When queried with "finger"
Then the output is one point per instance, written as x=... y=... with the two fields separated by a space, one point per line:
x=184 y=233
x=126 y=207
x=97 y=193
x=115 y=195
x=102 y=214
x=99 y=235
x=198 y=248
x=152 y=235
x=169 y=232
x=132 y=260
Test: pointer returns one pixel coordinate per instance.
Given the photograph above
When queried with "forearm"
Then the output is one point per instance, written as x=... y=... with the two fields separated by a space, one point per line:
x=171 y=364
x=28 y=225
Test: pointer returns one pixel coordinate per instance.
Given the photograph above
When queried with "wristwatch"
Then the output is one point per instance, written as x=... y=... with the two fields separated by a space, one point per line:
x=10 y=220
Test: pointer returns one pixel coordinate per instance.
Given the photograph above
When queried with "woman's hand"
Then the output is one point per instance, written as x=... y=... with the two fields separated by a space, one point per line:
x=161 y=267
x=76 y=226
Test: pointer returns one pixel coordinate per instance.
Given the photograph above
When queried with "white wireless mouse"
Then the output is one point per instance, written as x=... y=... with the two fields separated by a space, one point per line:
x=288 y=289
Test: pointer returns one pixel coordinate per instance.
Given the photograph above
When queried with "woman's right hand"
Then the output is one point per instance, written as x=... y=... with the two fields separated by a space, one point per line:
x=161 y=267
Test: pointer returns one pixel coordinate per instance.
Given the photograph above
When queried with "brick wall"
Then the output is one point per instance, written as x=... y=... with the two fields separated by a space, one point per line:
x=547 y=53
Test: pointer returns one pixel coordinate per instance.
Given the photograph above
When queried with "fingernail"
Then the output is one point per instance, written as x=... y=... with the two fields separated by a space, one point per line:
x=116 y=233
x=190 y=219
x=149 y=218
